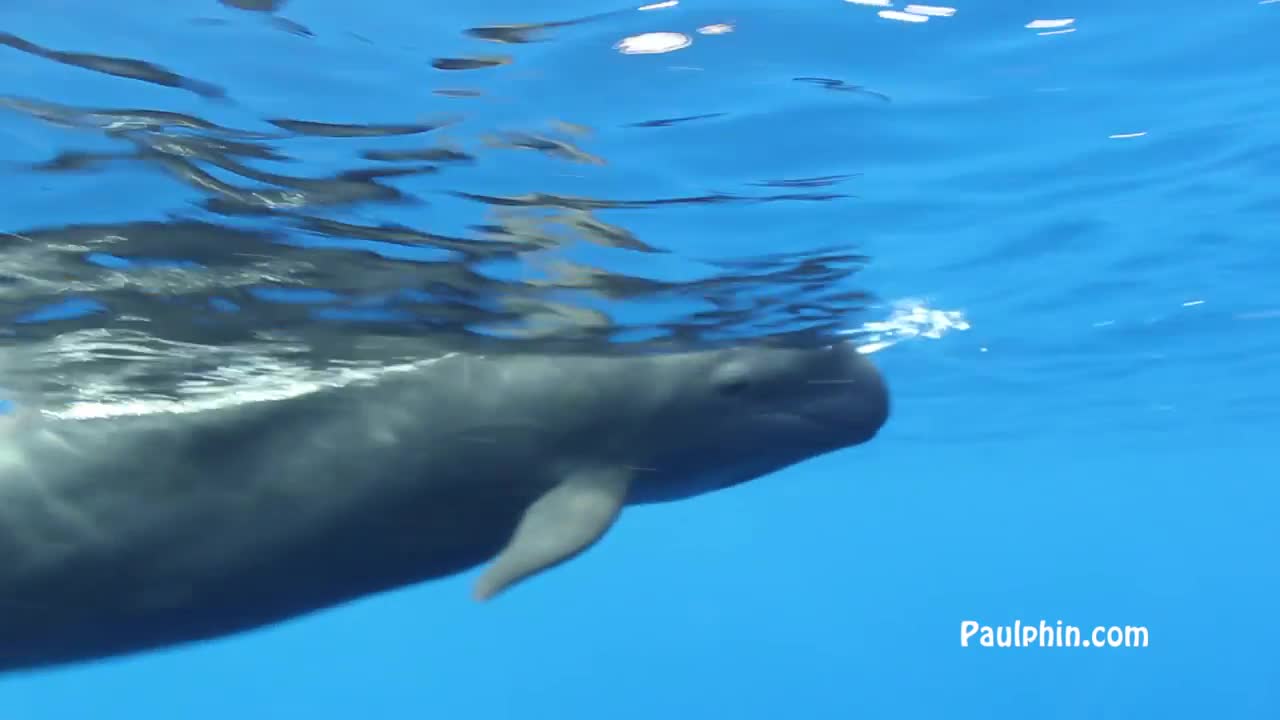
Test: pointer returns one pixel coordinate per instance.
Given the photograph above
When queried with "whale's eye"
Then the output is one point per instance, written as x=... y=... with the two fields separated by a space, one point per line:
x=735 y=387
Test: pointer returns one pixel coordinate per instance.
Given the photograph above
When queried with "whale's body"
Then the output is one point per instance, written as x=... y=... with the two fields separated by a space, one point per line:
x=130 y=533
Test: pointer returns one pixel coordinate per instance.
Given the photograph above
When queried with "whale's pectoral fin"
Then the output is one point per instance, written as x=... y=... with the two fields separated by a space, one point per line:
x=560 y=524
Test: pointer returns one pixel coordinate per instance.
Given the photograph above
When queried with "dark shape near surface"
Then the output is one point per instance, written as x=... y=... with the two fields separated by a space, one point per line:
x=842 y=86
x=323 y=129
x=529 y=32
x=434 y=154
x=474 y=63
x=667 y=122
x=254 y=5
x=820 y=181
x=117 y=66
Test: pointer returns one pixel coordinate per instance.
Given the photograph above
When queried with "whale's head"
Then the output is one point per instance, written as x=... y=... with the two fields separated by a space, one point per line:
x=719 y=418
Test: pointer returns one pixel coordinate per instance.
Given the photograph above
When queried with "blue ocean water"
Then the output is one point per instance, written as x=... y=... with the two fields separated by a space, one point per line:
x=1068 y=219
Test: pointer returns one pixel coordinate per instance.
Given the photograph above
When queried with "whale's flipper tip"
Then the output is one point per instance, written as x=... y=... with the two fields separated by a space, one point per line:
x=568 y=519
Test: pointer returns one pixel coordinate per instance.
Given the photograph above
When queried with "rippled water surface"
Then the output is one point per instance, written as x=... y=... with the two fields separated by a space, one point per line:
x=1054 y=225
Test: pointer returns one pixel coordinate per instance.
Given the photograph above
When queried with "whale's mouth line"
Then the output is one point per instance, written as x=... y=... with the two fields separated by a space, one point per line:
x=788 y=417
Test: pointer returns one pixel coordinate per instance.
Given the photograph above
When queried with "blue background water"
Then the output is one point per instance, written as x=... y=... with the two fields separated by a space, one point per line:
x=1097 y=447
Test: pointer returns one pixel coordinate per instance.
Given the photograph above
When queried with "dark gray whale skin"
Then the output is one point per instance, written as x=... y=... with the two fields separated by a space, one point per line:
x=131 y=533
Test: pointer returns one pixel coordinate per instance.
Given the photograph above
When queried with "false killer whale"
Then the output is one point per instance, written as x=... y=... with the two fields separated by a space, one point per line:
x=137 y=532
